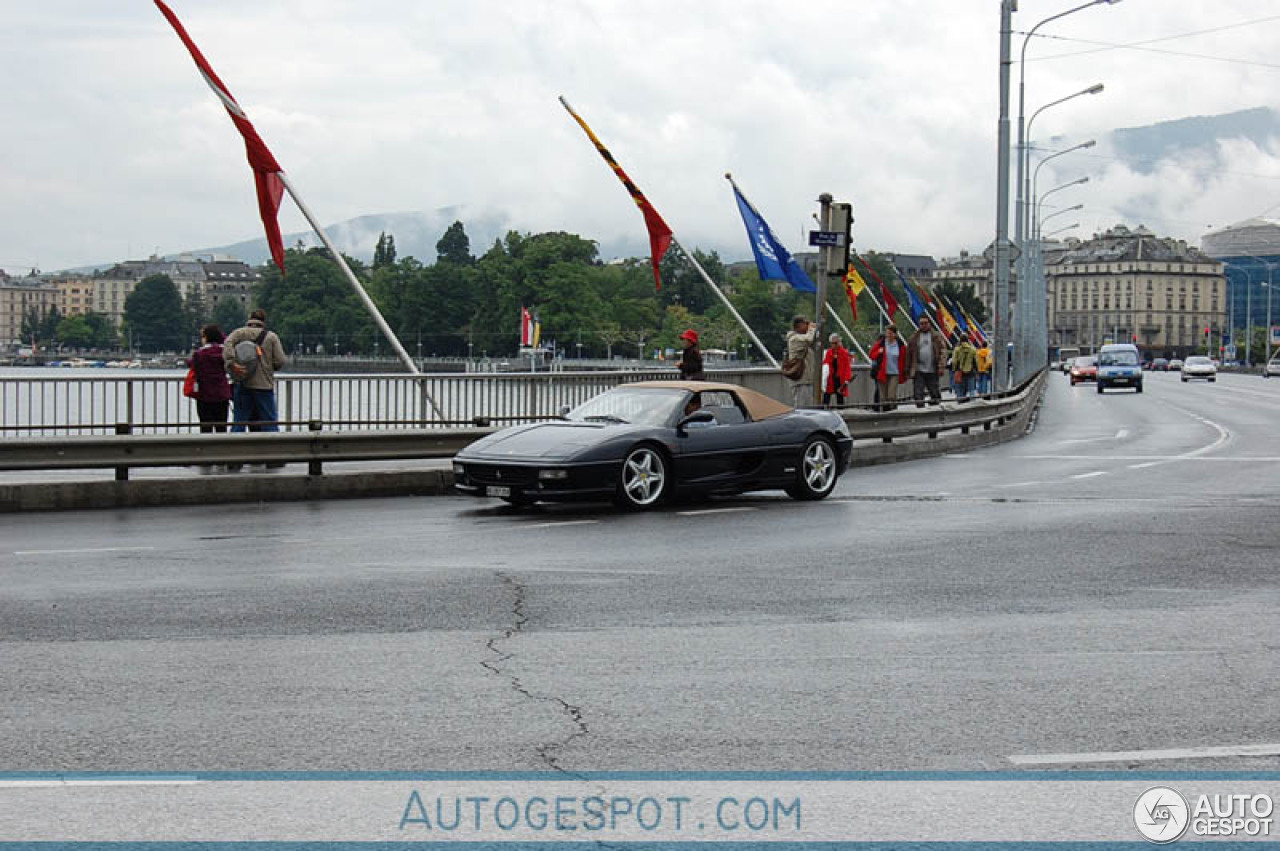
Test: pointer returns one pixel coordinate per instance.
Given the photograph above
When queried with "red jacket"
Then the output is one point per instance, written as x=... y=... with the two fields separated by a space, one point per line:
x=211 y=374
x=879 y=362
x=839 y=370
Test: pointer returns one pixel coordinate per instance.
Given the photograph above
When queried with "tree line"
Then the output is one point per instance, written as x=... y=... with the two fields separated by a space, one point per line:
x=465 y=304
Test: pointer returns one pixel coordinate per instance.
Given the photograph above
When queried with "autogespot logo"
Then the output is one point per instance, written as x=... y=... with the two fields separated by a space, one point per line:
x=1161 y=814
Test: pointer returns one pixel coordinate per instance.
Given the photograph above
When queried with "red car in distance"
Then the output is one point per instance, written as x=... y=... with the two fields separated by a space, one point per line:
x=1084 y=369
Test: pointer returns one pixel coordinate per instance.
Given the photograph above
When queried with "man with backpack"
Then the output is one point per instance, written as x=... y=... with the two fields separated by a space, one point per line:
x=252 y=355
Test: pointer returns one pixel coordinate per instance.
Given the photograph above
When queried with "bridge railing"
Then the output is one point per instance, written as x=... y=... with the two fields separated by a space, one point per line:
x=153 y=404
x=318 y=444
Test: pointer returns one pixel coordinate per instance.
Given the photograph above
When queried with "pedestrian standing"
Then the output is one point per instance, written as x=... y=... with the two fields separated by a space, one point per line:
x=926 y=360
x=213 y=391
x=253 y=370
x=837 y=372
x=965 y=364
x=801 y=364
x=887 y=356
x=691 y=368
x=984 y=368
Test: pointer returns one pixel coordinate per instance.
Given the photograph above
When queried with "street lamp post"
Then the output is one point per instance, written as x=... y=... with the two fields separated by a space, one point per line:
x=1019 y=230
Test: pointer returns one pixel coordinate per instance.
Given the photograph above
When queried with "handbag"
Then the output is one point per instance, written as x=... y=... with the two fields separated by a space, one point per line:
x=958 y=378
x=793 y=368
x=189 y=385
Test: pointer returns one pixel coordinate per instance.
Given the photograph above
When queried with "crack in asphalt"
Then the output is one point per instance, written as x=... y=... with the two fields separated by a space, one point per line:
x=548 y=753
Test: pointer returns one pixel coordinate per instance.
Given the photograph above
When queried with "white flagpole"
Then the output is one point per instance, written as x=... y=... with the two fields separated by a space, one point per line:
x=360 y=291
x=738 y=316
x=852 y=338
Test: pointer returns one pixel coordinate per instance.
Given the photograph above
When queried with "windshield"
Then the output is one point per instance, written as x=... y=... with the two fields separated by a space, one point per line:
x=637 y=406
x=1199 y=361
x=1084 y=361
x=1120 y=358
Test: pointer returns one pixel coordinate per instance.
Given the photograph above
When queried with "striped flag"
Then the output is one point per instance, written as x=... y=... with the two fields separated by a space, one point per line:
x=890 y=303
x=853 y=287
x=659 y=233
x=266 y=171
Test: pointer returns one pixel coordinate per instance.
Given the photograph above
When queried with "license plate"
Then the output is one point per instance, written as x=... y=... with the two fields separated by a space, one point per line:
x=494 y=490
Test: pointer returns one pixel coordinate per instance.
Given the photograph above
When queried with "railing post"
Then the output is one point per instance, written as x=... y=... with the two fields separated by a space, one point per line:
x=314 y=466
x=122 y=473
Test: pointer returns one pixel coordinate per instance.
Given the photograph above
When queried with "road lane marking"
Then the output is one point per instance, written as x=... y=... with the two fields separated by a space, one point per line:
x=80 y=552
x=1119 y=435
x=38 y=782
x=699 y=511
x=1020 y=485
x=560 y=523
x=1143 y=756
x=1157 y=458
x=1143 y=466
x=1091 y=475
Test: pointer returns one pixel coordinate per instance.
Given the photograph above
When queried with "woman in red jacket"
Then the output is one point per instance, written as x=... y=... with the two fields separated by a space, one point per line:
x=837 y=371
x=213 y=391
x=887 y=359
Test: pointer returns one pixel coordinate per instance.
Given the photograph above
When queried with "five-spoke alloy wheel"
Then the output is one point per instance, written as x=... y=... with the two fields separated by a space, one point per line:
x=643 y=481
x=818 y=470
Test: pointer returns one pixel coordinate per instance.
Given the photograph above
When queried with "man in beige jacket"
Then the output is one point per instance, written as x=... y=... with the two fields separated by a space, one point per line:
x=255 y=395
x=802 y=340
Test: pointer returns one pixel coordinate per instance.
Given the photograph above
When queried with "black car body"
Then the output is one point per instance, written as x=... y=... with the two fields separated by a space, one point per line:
x=643 y=442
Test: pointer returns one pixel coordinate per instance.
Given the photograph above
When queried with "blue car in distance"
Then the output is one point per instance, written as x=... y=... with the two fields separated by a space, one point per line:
x=1119 y=366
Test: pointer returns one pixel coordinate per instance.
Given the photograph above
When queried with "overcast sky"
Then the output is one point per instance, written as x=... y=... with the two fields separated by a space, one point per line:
x=113 y=147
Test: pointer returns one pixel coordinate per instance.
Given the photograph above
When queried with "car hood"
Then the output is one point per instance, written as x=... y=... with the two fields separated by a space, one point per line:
x=542 y=440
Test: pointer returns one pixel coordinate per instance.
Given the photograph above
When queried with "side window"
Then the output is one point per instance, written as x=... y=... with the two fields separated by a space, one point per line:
x=724 y=405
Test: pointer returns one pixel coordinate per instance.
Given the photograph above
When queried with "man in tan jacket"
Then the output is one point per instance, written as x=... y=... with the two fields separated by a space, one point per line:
x=254 y=393
x=802 y=340
x=926 y=361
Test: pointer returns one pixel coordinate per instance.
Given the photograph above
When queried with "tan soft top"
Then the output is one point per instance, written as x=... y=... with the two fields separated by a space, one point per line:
x=758 y=405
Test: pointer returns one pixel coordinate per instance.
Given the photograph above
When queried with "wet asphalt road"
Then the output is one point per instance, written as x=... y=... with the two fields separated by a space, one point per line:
x=1109 y=583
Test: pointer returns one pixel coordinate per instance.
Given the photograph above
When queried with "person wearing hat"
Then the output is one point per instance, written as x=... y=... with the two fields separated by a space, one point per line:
x=802 y=339
x=837 y=371
x=691 y=359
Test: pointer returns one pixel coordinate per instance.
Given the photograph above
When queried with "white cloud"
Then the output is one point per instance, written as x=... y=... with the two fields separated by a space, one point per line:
x=113 y=146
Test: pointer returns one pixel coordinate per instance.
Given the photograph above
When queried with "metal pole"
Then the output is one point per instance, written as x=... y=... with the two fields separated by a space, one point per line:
x=820 y=300
x=729 y=305
x=847 y=330
x=1000 y=262
x=351 y=278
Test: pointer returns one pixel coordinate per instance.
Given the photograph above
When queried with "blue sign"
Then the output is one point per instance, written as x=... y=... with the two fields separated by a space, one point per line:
x=827 y=238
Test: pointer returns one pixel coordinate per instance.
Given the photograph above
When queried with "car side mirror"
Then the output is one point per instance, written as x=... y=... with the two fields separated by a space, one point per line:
x=564 y=411
x=695 y=417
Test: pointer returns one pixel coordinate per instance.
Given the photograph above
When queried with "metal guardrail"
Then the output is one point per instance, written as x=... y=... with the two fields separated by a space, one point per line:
x=34 y=405
x=316 y=446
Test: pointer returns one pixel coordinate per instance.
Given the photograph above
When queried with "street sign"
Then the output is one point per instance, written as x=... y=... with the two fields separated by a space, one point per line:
x=827 y=238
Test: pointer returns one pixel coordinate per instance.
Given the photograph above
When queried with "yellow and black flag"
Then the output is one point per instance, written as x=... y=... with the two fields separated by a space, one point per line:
x=659 y=233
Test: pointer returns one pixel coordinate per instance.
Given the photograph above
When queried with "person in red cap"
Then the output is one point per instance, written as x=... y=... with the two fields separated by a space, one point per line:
x=691 y=359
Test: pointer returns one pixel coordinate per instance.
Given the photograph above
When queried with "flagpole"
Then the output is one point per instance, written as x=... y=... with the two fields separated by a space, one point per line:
x=877 y=301
x=837 y=318
x=736 y=315
x=351 y=278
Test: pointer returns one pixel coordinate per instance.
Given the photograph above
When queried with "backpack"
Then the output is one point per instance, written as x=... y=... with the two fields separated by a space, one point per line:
x=245 y=358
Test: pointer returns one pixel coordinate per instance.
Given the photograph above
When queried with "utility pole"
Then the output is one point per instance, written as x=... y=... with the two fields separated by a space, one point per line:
x=1000 y=261
x=820 y=301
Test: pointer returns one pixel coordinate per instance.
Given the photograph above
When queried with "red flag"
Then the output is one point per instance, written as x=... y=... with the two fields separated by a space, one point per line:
x=659 y=233
x=266 y=171
x=526 y=327
x=890 y=303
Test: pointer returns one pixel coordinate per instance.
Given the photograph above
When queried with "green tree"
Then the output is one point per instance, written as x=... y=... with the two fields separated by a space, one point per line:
x=228 y=314
x=75 y=331
x=315 y=305
x=155 y=314
x=454 y=247
x=384 y=253
x=104 y=331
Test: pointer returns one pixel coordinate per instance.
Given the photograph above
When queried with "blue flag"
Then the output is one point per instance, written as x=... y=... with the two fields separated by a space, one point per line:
x=914 y=305
x=772 y=260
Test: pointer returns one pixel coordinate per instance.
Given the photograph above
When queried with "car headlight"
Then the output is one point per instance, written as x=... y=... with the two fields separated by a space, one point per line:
x=553 y=475
x=458 y=469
